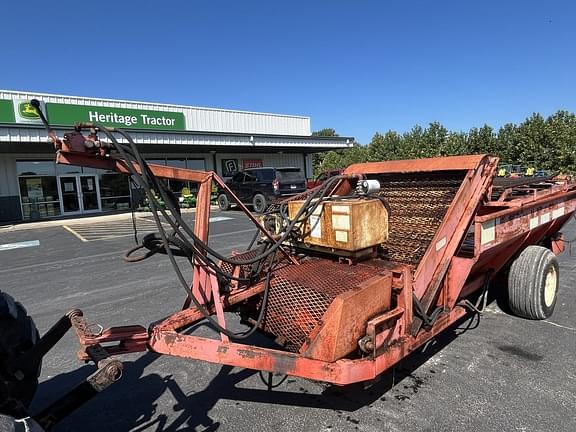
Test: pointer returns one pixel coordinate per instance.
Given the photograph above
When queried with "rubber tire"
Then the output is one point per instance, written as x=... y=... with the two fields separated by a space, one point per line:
x=527 y=281
x=223 y=202
x=259 y=203
x=18 y=333
x=10 y=424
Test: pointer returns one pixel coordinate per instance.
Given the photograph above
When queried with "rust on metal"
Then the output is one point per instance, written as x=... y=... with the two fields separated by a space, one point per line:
x=346 y=224
x=451 y=223
x=300 y=296
x=447 y=163
x=118 y=165
x=418 y=203
x=344 y=322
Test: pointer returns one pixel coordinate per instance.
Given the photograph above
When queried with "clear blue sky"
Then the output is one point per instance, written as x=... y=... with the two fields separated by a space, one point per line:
x=356 y=66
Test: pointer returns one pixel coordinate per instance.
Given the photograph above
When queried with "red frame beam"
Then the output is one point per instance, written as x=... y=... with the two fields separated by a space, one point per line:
x=441 y=277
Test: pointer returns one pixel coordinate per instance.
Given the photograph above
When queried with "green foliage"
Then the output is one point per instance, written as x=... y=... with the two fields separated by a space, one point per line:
x=543 y=143
x=318 y=158
x=343 y=158
x=327 y=132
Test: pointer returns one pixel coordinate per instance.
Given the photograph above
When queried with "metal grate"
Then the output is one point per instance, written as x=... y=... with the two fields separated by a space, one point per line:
x=246 y=270
x=300 y=295
x=418 y=203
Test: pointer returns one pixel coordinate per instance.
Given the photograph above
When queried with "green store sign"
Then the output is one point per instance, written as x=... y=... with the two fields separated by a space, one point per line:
x=7 y=112
x=67 y=115
x=63 y=114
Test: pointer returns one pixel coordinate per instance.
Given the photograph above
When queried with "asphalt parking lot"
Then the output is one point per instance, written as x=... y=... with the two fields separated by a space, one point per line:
x=501 y=374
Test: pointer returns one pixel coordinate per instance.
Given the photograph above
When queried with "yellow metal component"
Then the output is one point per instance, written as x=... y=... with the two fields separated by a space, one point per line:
x=349 y=224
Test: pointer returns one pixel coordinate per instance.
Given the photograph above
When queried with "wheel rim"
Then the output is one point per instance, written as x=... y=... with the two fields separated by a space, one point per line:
x=258 y=204
x=222 y=201
x=550 y=286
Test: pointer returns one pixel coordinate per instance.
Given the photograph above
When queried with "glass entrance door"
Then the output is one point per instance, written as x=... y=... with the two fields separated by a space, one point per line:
x=80 y=194
x=70 y=202
x=90 y=197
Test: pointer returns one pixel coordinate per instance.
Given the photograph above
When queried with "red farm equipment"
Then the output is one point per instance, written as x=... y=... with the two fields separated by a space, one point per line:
x=345 y=296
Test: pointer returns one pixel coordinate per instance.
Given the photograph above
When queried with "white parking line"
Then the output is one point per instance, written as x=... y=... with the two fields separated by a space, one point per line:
x=24 y=244
x=558 y=325
x=74 y=233
x=112 y=230
x=219 y=218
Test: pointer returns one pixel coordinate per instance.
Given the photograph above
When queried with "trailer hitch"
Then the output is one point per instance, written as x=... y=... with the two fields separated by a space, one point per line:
x=109 y=370
x=117 y=340
x=127 y=339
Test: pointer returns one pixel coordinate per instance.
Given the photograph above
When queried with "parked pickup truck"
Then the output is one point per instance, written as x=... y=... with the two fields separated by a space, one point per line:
x=260 y=186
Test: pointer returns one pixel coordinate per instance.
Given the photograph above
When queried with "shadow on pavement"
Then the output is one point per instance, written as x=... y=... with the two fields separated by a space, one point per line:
x=131 y=404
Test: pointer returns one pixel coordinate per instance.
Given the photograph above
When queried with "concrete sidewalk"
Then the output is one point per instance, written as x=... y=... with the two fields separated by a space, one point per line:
x=88 y=219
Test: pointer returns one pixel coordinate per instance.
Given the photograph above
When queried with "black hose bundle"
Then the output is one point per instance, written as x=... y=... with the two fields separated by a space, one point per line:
x=183 y=242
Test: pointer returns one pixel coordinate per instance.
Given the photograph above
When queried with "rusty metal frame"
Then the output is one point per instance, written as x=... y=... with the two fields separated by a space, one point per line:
x=447 y=163
x=440 y=279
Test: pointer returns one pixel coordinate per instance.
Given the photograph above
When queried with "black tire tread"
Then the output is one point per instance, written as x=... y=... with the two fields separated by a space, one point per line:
x=263 y=198
x=18 y=333
x=227 y=207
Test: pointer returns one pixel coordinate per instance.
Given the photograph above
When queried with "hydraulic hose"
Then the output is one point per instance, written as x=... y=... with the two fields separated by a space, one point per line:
x=179 y=223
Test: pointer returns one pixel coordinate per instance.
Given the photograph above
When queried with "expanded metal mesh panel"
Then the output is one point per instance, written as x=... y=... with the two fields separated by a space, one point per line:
x=418 y=203
x=246 y=270
x=300 y=295
x=226 y=267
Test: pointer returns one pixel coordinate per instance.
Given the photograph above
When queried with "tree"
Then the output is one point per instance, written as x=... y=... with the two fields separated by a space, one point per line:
x=385 y=147
x=508 y=144
x=317 y=158
x=326 y=132
x=538 y=142
x=412 y=141
x=481 y=140
x=457 y=143
x=342 y=158
x=561 y=128
x=434 y=140
x=534 y=143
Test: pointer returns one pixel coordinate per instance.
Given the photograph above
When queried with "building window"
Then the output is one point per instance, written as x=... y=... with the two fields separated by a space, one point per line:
x=156 y=161
x=38 y=168
x=69 y=169
x=39 y=197
x=181 y=188
x=176 y=163
x=114 y=192
x=196 y=164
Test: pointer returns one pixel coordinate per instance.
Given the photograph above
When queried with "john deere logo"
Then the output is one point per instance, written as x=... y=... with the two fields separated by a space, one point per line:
x=27 y=111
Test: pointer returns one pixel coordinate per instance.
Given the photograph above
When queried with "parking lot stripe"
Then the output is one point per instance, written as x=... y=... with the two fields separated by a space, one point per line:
x=88 y=232
x=70 y=230
x=19 y=245
x=59 y=262
x=559 y=325
x=219 y=218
